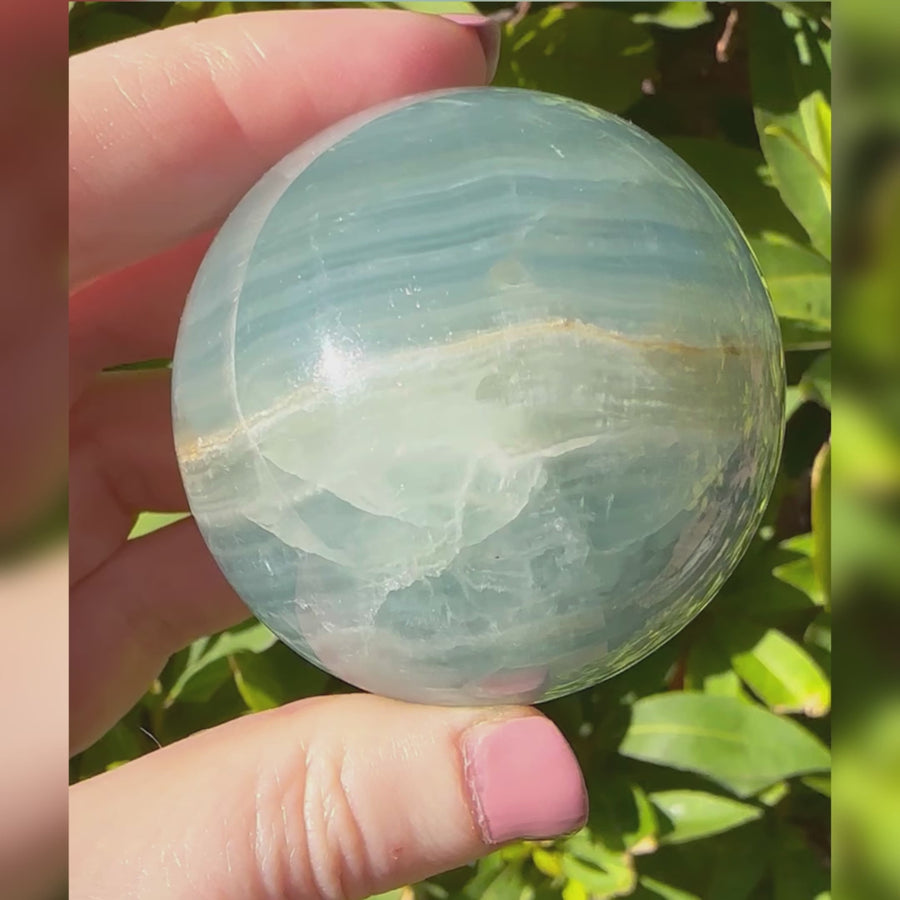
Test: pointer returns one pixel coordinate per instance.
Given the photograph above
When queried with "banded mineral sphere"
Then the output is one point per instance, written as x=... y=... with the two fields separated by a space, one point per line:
x=478 y=397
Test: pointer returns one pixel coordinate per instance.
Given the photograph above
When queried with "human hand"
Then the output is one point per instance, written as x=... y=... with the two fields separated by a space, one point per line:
x=331 y=797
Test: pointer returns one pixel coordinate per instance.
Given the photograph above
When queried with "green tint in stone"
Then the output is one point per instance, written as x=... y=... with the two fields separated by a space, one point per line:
x=478 y=397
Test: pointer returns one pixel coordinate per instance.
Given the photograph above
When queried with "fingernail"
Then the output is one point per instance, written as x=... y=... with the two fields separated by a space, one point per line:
x=488 y=32
x=524 y=780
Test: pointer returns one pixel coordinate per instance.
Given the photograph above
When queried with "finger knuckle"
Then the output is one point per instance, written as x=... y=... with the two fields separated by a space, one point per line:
x=309 y=840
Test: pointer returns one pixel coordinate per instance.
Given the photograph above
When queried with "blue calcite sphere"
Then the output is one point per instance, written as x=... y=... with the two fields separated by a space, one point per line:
x=478 y=397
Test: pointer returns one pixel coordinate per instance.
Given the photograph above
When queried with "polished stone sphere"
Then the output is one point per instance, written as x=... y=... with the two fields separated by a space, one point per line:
x=478 y=397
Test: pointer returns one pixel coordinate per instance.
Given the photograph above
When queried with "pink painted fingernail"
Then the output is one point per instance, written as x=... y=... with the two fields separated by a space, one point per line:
x=524 y=779
x=488 y=32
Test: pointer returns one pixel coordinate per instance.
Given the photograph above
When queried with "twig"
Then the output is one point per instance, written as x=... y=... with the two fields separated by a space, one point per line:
x=522 y=10
x=512 y=15
x=151 y=736
x=723 y=46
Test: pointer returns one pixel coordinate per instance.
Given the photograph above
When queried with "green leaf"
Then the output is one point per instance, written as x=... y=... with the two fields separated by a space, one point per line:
x=821 y=784
x=772 y=796
x=800 y=574
x=865 y=536
x=186 y=11
x=817 y=10
x=597 y=861
x=403 y=893
x=122 y=743
x=797 y=335
x=142 y=365
x=149 y=522
x=218 y=704
x=821 y=521
x=793 y=398
x=708 y=668
x=547 y=862
x=799 y=543
x=497 y=879
x=275 y=677
x=798 y=871
x=740 y=864
x=791 y=79
x=758 y=593
x=594 y=54
x=601 y=873
x=198 y=684
x=741 y=746
x=95 y=25
x=816 y=381
x=782 y=674
x=252 y=637
x=868 y=450
x=679 y=15
x=255 y=681
x=621 y=816
x=741 y=179
x=207 y=664
x=574 y=891
x=818 y=639
x=651 y=889
x=799 y=281
x=690 y=815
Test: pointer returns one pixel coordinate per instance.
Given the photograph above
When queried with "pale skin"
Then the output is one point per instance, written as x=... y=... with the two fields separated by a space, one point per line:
x=330 y=797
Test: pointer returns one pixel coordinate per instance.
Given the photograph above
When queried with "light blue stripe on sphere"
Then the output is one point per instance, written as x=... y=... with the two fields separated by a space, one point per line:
x=479 y=399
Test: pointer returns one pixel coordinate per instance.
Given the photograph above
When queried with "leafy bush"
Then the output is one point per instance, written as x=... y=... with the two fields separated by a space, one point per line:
x=707 y=763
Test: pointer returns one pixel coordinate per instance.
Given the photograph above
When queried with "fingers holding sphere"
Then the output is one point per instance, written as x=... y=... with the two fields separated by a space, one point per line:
x=338 y=797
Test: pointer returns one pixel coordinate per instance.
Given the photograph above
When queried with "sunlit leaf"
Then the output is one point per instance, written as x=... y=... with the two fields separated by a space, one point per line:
x=123 y=742
x=601 y=872
x=402 y=893
x=821 y=520
x=652 y=889
x=791 y=81
x=275 y=677
x=547 y=861
x=799 y=280
x=781 y=673
x=149 y=522
x=819 y=783
x=590 y=53
x=207 y=667
x=708 y=668
x=497 y=879
x=680 y=14
x=816 y=381
x=817 y=639
x=738 y=745
x=800 y=574
x=740 y=177
x=799 y=543
x=574 y=890
x=690 y=815
x=866 y=451
x=772 y=796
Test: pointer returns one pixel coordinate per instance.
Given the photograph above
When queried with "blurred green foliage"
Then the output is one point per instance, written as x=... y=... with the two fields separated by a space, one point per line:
x=865 y=501
x=708 y=763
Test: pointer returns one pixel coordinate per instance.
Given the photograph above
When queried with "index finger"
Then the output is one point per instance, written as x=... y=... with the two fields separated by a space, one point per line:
x=168 y=130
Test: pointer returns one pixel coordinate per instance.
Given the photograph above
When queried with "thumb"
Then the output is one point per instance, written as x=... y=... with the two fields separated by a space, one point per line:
x=335 y=797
